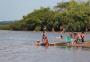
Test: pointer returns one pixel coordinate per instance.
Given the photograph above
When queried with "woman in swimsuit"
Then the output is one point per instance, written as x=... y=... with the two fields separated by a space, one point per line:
x=44 y=38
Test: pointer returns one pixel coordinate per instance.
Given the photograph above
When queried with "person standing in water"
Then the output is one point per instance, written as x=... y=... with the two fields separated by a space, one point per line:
x=62 y=31
x=44 y=38
x=69 y=37
x=75 y=38
x=82 y=36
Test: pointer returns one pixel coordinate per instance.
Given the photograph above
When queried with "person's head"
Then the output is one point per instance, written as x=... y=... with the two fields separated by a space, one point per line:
x=43 y=31
x=38 y=41
x=82 y=32
x=75 y=34
x=44 y=28
x=71 y=35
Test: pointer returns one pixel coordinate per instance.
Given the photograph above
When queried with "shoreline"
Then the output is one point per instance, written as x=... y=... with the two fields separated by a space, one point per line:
x=40 y=31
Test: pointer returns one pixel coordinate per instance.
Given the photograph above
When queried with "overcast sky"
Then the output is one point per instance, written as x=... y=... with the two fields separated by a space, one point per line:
x=15 y=9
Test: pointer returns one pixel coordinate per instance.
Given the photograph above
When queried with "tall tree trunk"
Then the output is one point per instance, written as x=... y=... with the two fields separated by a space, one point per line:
x=86 y=29
x=53 y=29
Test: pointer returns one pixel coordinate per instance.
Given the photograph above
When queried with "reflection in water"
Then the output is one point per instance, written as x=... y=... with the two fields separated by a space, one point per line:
x=27 y=53
x=74 y=48
x=18 y=46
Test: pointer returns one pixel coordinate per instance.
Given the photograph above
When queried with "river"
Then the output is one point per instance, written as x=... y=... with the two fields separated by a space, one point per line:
x=18 y=46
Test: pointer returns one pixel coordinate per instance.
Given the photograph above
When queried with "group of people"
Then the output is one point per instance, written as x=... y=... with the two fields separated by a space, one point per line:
x=71 y=38
x=75 y=38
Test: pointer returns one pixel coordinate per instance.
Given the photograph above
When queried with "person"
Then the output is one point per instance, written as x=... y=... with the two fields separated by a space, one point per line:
x=62 y=31
x=75 y=38
x=37 y=43
x=82 y=36
x=69 y=39
x=44 y=39
x=61 y=37
x=79 y=37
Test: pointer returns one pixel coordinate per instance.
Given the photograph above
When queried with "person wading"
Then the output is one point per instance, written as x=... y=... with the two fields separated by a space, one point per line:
x=44 y=38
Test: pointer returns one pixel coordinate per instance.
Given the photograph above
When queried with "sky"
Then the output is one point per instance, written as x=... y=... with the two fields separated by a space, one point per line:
x=11 y=10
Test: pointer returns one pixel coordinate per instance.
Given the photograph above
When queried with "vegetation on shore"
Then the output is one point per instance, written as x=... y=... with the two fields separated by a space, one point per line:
x=72 y=15
x=6 y=25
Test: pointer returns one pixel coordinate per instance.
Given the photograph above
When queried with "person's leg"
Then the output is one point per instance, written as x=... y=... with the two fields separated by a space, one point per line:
x=82 y=39
x=42 y=44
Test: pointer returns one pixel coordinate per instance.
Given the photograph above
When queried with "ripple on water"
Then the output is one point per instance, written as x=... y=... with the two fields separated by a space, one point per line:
x=18 y=46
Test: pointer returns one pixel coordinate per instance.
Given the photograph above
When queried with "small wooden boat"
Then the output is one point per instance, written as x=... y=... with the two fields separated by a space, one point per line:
x=58 y=44
x=85 y=44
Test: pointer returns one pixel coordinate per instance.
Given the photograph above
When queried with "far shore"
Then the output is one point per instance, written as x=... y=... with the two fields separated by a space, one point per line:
x=39 y=31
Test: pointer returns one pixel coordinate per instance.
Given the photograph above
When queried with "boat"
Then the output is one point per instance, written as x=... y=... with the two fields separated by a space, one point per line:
x=84 y=44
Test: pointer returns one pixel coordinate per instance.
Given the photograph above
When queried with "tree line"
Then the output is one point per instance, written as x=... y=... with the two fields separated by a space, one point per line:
x=72 y=15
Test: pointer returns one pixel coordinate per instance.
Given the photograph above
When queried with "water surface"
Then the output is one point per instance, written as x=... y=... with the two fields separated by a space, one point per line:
x=18 y=46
